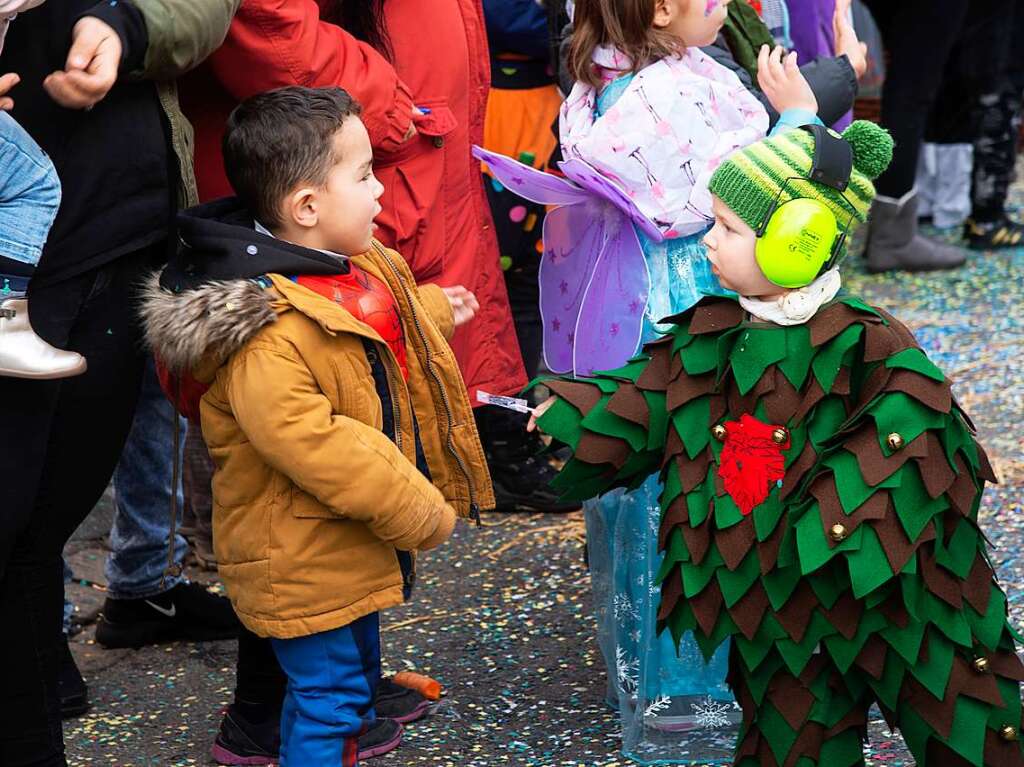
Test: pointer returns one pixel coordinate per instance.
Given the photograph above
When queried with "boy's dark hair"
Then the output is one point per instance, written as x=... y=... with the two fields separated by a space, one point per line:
x=279 y=139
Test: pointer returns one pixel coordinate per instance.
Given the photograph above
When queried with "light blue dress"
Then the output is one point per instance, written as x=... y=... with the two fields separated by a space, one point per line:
x=675 y=709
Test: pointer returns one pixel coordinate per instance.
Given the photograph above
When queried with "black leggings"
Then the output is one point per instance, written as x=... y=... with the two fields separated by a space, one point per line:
x=59 y=444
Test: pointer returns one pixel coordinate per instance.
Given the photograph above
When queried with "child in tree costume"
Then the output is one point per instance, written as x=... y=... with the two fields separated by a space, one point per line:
x=821 y=489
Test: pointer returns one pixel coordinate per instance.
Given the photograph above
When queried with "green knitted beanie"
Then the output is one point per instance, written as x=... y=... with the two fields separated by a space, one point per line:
x=749 y=179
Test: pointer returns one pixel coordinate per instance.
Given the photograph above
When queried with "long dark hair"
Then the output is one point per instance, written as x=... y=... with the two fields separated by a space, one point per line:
x=364 y=20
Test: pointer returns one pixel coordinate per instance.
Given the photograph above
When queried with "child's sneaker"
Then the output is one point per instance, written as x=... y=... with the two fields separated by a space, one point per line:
x=1003 y=233
x=399 y=703
x=23 y=354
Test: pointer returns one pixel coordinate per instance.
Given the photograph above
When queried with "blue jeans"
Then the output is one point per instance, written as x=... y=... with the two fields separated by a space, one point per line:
x=29 y=198
x=332 y=679
x=142 y=493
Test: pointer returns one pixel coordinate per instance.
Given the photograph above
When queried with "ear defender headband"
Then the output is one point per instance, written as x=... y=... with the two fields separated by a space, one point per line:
x=799 y=239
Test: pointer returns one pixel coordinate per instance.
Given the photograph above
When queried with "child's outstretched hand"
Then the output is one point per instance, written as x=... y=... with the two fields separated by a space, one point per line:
x=464 y=304
x=538 y=411
x=782 y=82
x=846 y=39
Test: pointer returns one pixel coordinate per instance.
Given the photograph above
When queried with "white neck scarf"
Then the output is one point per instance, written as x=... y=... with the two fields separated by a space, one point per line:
x=795 y=307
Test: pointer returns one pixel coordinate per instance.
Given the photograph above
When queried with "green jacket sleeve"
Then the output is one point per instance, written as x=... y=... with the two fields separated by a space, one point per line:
x=182 y=33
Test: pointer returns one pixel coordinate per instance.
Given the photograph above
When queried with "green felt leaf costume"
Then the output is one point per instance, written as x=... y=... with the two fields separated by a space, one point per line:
x=862 y=577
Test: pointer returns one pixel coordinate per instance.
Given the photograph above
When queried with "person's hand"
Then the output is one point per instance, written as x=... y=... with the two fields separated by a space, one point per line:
x=411 y=133
x=782 y=82
x=846 y=39
x=464 y=304
x=538 y=411
x=7 y=82
x=91 y=67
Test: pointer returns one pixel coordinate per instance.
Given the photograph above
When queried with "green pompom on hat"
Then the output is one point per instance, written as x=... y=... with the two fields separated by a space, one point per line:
x=749 y=179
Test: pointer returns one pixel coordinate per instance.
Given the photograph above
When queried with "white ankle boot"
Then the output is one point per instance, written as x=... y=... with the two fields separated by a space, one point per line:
x=23 y=354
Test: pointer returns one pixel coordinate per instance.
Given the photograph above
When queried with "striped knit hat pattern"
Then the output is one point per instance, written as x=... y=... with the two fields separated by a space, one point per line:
x=749 y=179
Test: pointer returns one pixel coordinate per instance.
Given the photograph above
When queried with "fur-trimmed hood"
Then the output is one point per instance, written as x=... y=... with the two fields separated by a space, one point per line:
x=213 y=297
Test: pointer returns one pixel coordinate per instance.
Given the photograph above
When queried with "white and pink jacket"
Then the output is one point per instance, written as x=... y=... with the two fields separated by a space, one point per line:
x=665 y=135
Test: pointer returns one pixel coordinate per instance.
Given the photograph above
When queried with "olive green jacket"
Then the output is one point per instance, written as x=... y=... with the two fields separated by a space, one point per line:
x=182 y=33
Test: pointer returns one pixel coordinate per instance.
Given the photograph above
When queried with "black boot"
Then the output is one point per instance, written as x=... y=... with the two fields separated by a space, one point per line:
x=74 y=695
x=521 y=477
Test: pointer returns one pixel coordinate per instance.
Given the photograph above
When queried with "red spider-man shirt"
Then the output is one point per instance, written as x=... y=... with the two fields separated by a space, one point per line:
x=369 y=300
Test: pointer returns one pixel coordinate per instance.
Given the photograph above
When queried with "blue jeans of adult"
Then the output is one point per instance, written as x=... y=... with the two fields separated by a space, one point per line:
x=142 y=492
x=332 y=680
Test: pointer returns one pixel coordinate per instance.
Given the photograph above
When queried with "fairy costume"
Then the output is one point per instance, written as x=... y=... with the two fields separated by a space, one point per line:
x=820 y=504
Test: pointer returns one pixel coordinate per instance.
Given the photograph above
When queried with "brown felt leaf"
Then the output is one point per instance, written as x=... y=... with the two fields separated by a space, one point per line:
x=749 y=611
x=677 y=514
x=832 y=321
x=813 y=394
x=879 y=343
x=964 y=680
x=673 y=447
x=927 y=391
x=768 y=549
x=581 y=395
x=842 y=383
x=785 y=399
x=734 y=542
x=686 y=388
x=845 y=614
x=939 y=581
x=692 y=473
x=698 y=539
x=937 y=713
x=998 y=752
x=963 y=492
x=977 y=589
x=830 y=509
x=706 y=606
x=656 y=375
x=897 y=546
x=936 y=473
x=872 y=656
x=796 y=614
x=629 y=403
x=797 y=471
x=718 y=408
x=985 y=470
x=897 y=328
x=792 y=699
x=807 y=745
x=599 y=448
x=671 y=593
x=875 y=466
x=715 y=316
x=1006 y=664
x=874 y=385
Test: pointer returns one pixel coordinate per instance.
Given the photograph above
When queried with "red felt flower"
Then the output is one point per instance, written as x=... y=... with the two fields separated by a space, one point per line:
x=752 y=461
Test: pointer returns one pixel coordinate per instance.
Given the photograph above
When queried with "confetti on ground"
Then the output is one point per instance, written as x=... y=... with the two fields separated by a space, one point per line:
x=502 y=615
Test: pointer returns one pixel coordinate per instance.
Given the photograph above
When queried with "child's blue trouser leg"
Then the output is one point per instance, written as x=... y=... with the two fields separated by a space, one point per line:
x=332 y=677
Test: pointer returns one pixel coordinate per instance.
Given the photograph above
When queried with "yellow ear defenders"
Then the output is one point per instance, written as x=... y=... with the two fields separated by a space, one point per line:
x=799 y=239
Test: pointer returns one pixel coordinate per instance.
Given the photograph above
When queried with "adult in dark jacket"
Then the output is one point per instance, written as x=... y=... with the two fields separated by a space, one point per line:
x=111 y=137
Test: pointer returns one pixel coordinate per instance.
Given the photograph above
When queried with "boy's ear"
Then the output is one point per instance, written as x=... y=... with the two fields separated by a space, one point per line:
x=663 y=12
x=302 y=208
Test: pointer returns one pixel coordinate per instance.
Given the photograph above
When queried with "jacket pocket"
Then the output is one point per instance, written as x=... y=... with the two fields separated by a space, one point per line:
x=304 y=506
x=413 y=178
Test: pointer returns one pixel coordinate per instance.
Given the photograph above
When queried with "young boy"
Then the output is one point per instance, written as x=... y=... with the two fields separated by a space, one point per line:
x=821 y=485
x=336 y=415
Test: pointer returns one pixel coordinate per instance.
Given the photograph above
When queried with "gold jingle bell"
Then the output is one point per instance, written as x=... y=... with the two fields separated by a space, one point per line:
x=894 y=441
x=980 y=665
x=718 y=432
x=1008 y=733
x=779 y=436
x=838 y=533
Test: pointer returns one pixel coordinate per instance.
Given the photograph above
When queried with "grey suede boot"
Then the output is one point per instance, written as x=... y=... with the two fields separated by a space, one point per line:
x=893 y=241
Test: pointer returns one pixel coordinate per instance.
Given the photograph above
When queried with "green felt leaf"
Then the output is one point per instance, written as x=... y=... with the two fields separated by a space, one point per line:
x=964 y=547
x=673 y=486
x=562 y=421
x=797 y=654
x=887 y=689
x=696 y=577
x=829 y=415
x=767 y=516
x=680 y=622
x=829 y=358
x=916 y=360
x=600 y=421
x=956 y=436
x=933 y=672
x=799 y=353
x=698 y=502
x=638 y=467
x=727 y=513
x=853 y=491
x=989 y=627
x=814 y=548
x=968 y=735
x=827 y=587
x=657 y=431
x=680 y=338
x=780 y=584
x=628 y=372
x=845 y=651
x=901 y=413
x=855 y=303
x=777 y=731
x=736 y=583
x=905 y=641
x=753 y=652
x=675 y=552
x=700 y=355
x=843 y=750
x=797 y=440
x=692 y=422
x=755 y=350
x=869 y=567
x=759 y=678
x=913 y=505
x=952 y=623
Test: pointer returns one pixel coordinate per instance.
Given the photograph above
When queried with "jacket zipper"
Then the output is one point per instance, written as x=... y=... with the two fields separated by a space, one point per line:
x=474 y=507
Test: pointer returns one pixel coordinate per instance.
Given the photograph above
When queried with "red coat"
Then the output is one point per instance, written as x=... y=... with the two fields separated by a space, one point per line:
x=435 y=212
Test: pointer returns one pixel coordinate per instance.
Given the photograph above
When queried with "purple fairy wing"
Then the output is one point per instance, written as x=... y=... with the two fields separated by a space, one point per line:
x=610 y=322
x=535 y=185
x=574 y=236
x=587 y=177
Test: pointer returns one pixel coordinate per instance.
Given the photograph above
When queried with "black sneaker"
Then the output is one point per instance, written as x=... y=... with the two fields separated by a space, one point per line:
x=188 y=611
x=1003 y=233
x=74 y=695
x=399 y=703
x=241 y=743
